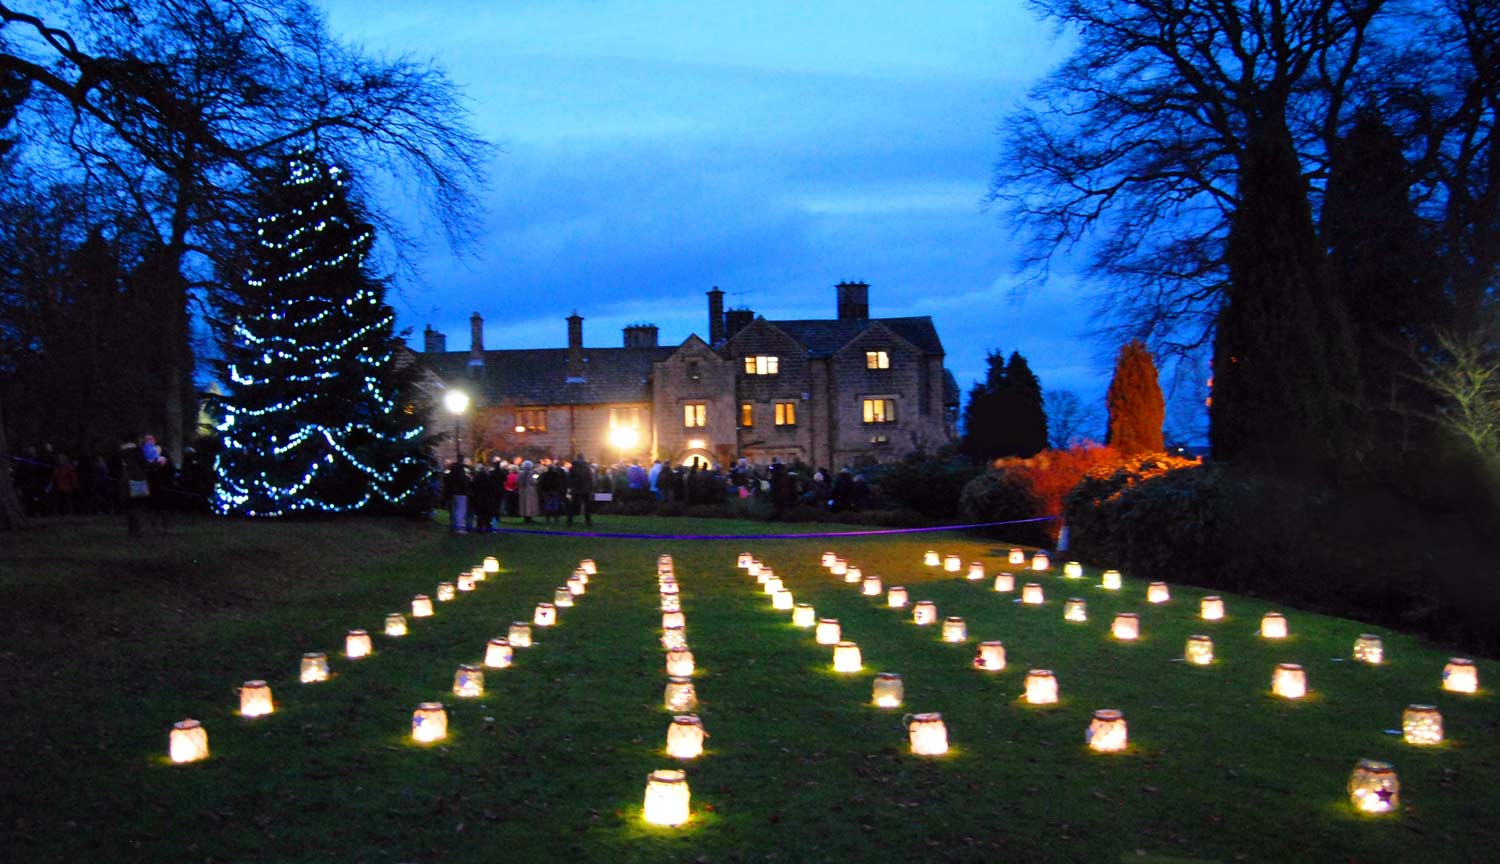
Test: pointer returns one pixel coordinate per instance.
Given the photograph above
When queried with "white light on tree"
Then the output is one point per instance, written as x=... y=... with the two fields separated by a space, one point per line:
x=314 y=667
x=667 y=798
x=188 y=741
x=429 y=723
x=255 y=699
x=887 y=691
x=498 y=653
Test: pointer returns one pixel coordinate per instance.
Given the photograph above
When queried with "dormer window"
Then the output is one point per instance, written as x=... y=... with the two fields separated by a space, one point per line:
x=877 y=360
x=762 y=364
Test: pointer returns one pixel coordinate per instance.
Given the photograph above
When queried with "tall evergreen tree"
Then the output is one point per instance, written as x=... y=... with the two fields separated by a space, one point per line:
x=1136 y=407
x=982 y=421
x=1005 y=416
x=317 y=418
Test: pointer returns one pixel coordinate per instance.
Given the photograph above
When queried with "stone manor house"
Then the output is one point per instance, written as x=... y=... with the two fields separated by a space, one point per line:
x=830 y=392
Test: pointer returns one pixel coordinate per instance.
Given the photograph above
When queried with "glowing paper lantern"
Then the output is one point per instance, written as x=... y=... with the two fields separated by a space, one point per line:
x=744 y=560
x=1289 y=681
x=1073 y=570
x=1031 y=593
x=545 y=615
x=491 y=565
x=395 y=624
x=896 y=597
x=357 y=644
x=782 y=600
x=519 y=634
x=828 y=559
x=685 y=737
x=853 y=576
x=846 y=657
x=1199 y=650
x=888 y=690
x=1422 y=724
x=562 y=597
x=673 y=637
x=828 y=632
x=924 y=613
x=1374 y=787
x=1075 y=610
x=1110 y=580
x=1041 y=687
x=871 y=586
x=583 y=577
x=1106 y=732
x=314 y=667
x=753 y=568
x=1127 y=626
x=670 y=603
x=954 y=629
x=477 y=572
x=1369 y=649
x=673 y=619
x=1211 y=608
x=667 y=798
x=255 y=699
x=1005 y=582
x=587 y=565
x=1040 y=561
x=803 y=615
x=445 y=592
x=991 y=657
x=1460 y=676
x=669 y=587
x=773 y=585
x=429 y=722
x=1017 y=556
x=1273 y=626
x=928 y=735
x=765 y=575
x=680 y=697
x=188 y=741
x=577 y=585
x=840 y=567
x=498 y=653
x=465 y=581
x=1158 y=592
x=468 y=681
x=931 y=558
x=679 y=663
x=951 y=564
x=976 y=570
x=421 y=606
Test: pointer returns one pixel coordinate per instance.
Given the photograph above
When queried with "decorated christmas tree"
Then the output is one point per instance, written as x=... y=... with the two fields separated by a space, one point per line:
x=318 y=417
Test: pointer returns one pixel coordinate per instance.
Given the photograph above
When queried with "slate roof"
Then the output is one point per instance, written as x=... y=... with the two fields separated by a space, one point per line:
x=538 y=376
x=825 y=336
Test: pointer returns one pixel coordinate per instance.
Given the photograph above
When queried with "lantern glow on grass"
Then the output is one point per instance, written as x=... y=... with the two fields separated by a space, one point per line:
x=674 y=637
x=519 y=634
x=357 y=644
x=976 y=571
x=1031 y=594
x=1110 y=580
x=670 y=603
x=1373 y=787
x=562 y=597
x=1289 y=681
x=1075 y=609
x=478 y=573
x=429 y=723
x=1158 y=592
x=931 y=558
x=491 y=565
x=578 y=585
x=840 y=567
x=828 y=632
x=745 y=559
x=924 y=613
x=951 y=564
x=468 y=681
x=887 y=691
x=803 y=615
x=588 y=566
x=545 y=615
x=782 y=600
x=685 y=737
x=828 y=559
x=871 y=586
x=445 y=592
x=465 y=581
x=954 y=629
x=1126 y=626
x=680 y=696
x=753 y=568
x=1199 y=650
x=421 y=606
x=667 y=798
x=846 y=657
x=1073 y=570
x=1107 y=732
x=314 y=667
x=1369 y=649
x=395 y=624
x=679 y=663
x=1017 y=556
x=853 y=576
x=669 y=587
x=1211 y=608
x=1422 y=725
x=1460 y=676
x=1040 y=562
x=1041 y=687
x=498 y=653
x=188 y=741
x=1005 y=582
x=991 y=656
x=896 y=597
x=1273 y=626
x=673 y=619
x=255 y=699
x=928 y=734
x=773 y=585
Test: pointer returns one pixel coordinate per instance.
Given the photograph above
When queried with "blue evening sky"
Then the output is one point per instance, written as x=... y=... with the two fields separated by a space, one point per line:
x=651 y=150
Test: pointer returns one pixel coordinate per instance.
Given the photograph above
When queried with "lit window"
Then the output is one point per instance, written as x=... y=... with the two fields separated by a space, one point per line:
x=695 y=414
x=786 y=413
x=531 y=420
x=880 y=410
x=747 y=414
x=877 y=360
x=762 y=364
x=624 y=418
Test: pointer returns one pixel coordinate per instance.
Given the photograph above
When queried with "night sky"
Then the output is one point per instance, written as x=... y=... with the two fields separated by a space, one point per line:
x=650 y=151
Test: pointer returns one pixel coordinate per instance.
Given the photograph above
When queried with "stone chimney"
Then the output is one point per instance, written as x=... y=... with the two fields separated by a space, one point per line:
x=476 y=340
x=715 y=316
x=575 y=347
x=433 y=342
x=640 y=336
x=735 y=321
x=853 y=300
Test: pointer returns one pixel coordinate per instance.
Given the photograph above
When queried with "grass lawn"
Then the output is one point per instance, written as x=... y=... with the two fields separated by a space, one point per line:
x=109 y=640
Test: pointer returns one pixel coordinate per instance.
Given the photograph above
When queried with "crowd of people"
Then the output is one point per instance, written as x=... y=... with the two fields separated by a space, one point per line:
x=136 y=476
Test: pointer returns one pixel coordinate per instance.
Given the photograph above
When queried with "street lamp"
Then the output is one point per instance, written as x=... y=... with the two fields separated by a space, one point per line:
x=457 y=401
x=624 y=438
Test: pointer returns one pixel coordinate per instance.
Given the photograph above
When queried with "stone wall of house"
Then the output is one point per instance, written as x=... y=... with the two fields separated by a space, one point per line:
x=571 y=429
x=695 y=373
x=906 y=381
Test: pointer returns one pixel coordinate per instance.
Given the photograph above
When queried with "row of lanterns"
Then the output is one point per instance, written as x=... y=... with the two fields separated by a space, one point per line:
x=668 y=796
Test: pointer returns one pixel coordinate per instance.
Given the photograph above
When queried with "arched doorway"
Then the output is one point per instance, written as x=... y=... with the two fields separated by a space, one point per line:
x=702 y=458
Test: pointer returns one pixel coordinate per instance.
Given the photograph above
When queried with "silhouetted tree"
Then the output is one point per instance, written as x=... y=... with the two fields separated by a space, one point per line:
x=1005 y=416
x=1136 y=407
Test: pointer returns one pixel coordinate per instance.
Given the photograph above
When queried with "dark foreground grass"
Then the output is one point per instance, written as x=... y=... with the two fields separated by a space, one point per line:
x=109 y=640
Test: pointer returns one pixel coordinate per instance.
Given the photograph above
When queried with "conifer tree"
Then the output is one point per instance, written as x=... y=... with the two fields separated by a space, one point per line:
x=1136 y=407
x=317 y=418
x=1005 y=416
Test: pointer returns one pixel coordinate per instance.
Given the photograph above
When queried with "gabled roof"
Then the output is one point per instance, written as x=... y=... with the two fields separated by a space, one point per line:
x=825 y=336
x=538 y=376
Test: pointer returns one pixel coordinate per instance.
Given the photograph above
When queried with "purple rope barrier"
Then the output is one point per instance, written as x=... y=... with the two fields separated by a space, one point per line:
x=815 y=535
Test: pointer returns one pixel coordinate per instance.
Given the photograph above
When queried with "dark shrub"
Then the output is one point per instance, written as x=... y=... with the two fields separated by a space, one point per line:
x=1003 y=496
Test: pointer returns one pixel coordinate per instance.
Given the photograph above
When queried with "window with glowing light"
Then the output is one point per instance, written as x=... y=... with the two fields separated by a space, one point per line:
x=695 y=415
x=786 y=413
x=877 y=360
x=531 y=420
x=762 y=364
x=880 y=409
x=747 y=415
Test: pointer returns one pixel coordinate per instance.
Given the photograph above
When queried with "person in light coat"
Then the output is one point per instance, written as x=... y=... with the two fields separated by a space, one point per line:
x=526 y=487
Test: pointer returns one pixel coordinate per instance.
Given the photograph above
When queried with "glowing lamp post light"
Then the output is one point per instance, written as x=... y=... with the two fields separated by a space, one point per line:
x=1374 y=787
x=429 y=723
x=545 y=615
x=468 y=682
x=951 y=564
x=1460 y=676
x=624 y=439
x=928 y=734
x=357 y=644
x=314 y=667
x=562 y=597
x=421 y=606
x=673 y=637
x=457 y=402
x=1075 y=609
x=1158 y=592
x=782 y=600
x=1422 y=725
x=896 y=597
x=1073 y=570
x=931 y=559
x=887 y=691
x=924 y=613
x=1106 y=732
x=679 y=663
x=1273 y=626
x=1289 y=681
x=1126 y=626
x=1017 y=556
x=1369 y=649
x=188 y=741
x=976 y=571
x=846 y=657
x=871 y=586
x=991 y=657
x=445 y=592
x=1211 y=608
x=1199 y=650
x=673 y=619
x=498 y=653
x=679 y=696
x=491 y=565
x=1031 y=593
x=685 y=737
x=803 y=615
x=1005 y=583
x=395 y=624
x=255 y=699
x=1110 y=580
x=954 y=629
x=667 y=798
x=1040 y=562
x=519 y=634
x=1041 y=687
x=828 y=632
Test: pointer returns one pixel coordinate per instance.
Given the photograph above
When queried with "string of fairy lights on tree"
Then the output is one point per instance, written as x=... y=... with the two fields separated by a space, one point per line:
x=316 y=419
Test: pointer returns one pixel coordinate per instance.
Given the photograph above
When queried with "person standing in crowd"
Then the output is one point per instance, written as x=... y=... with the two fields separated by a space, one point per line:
x=581 y=487
x=456 y=496
x=510 y=504
x=484 y=497
x=654 y=479
x=551 y=488
x=526 y=486
x=64 y=486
